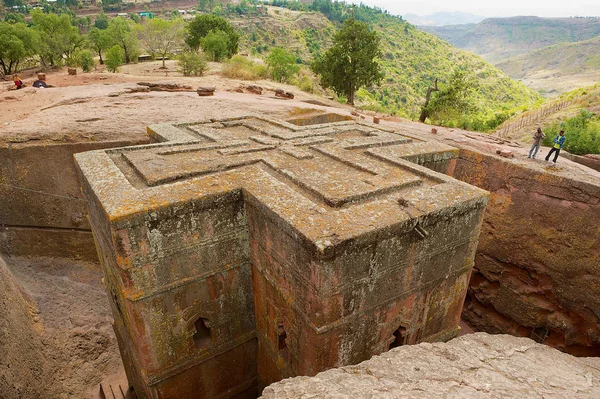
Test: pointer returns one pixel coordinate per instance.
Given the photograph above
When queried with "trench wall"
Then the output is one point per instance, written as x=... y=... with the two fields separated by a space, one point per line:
x=42 y=210
x=23 y=369
x=537 y=267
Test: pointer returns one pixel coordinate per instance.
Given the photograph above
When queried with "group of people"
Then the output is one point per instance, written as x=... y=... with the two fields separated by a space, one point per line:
x=40 y=83
x=557 y=144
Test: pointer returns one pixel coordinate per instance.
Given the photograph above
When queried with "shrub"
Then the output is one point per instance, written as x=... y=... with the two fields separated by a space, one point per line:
x=192 y=64
x=114 y=58
x=282 y=64
x=582 y=131
x=239 y=67
x=85 y=60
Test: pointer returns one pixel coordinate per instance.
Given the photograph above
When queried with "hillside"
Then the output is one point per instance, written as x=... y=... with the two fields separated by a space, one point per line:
x=496 y=39
x=412 y=59
x=563 y=66
x=552 y=114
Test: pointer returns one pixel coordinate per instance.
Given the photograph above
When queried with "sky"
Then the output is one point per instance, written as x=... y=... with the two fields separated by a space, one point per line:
x=499 y=8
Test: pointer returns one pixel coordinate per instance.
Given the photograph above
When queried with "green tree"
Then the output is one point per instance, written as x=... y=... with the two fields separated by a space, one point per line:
x=101 y=21
x=191 y=63
x=121 y=33
x=160 y=36
x=17 y=43
x=452 y=101
x=99 y=41
x=215 y=45
x=202 y=25
x=282 y=65
x=58 y=38
x=352 y=61
x=114 y=58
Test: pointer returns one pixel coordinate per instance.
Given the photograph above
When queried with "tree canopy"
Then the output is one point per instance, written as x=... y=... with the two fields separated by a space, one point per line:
x=121 y=33
x=58 y=38
x=17 y=43
x=202 y=25
x=451 y=101
x=161 y=36
x=352 y=61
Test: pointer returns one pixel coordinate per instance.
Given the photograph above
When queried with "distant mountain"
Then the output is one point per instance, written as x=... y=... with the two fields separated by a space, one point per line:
x=497 y=39
x=443 y=18
x=559 y=59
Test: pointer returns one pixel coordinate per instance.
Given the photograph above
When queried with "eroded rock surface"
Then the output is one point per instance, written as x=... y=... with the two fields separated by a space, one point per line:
x=473 y=366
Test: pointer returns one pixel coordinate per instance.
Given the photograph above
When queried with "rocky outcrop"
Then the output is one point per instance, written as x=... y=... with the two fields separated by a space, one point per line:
x=537 y=267
x=473 y=366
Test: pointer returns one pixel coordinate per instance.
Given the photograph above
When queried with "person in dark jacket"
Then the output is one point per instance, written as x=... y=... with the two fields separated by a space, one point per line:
x=558 y=144
x=537 y=139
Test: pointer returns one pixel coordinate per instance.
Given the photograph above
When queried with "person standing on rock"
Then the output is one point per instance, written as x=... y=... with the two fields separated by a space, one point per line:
x=537 y=139
x=559 y=142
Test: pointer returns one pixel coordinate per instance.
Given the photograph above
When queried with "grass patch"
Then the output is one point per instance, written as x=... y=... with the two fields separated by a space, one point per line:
x=240 y=67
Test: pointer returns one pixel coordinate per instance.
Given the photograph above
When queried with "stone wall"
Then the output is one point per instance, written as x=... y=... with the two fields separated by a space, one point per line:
x=473 y=366
x=23 y=369
x=42 y=210
x=537 y=268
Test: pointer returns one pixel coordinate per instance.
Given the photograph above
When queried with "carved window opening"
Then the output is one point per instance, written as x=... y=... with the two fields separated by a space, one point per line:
x=539 y=334
x=399 y=338
x=202 y=336
x=281 y=338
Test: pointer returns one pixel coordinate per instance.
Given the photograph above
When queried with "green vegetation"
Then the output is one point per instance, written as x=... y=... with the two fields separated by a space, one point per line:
x=202 y=25
x=99 y=41
x=239 y=67
x=582 y=132
x=17 y=44
x=161 y=37
x=122 y=34
x=215 y=45
x=352 y=61
x=282 y=65
x=114 y=58
x=451 y=102
x=191 y=63
x=58 y=38
x=85 y=60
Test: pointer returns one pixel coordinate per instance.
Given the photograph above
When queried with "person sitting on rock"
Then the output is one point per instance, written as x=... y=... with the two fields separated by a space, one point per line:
x=559 y=142
x=18 y=82
x=40 y=84
x=537 y=138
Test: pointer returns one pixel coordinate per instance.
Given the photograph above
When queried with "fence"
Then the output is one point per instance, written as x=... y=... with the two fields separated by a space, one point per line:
x=529 y=118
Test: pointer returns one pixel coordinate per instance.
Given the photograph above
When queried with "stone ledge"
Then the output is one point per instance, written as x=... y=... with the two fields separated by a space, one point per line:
x=473 y=366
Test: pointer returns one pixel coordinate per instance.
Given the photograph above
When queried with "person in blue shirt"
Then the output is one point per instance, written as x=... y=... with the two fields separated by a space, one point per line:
x=558 y=144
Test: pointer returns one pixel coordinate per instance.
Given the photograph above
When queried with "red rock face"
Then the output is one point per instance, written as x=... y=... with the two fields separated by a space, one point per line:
x=537 y=267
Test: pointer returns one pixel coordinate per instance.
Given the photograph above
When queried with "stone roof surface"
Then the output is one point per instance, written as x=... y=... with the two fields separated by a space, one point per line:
x=330 y=182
